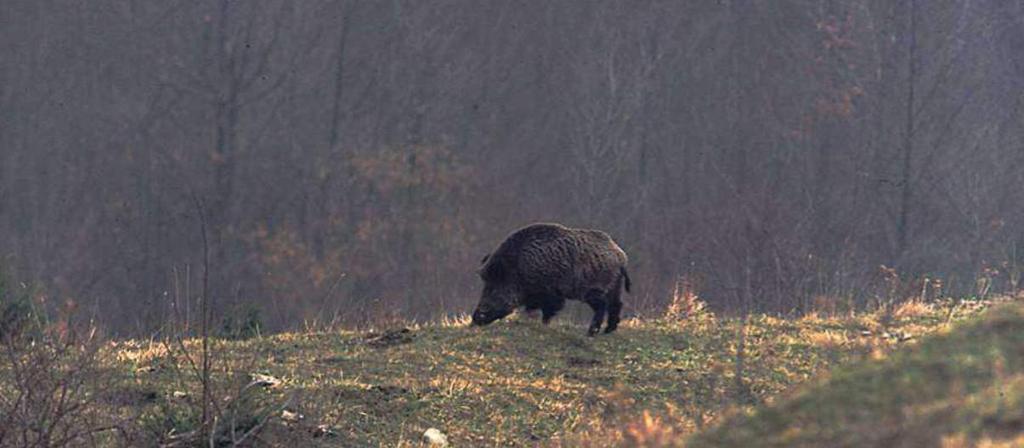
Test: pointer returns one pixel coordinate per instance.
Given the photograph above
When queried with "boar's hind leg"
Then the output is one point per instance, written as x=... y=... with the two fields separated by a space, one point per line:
x=550 y=308
x=596 y=300
x=614 y=309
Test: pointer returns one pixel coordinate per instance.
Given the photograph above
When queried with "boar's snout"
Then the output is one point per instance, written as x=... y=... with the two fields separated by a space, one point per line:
x=478 y=318
x=496 y=302
x=481 y=318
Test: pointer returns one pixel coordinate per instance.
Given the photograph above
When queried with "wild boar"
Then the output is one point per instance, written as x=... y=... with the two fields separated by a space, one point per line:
x=542 y=265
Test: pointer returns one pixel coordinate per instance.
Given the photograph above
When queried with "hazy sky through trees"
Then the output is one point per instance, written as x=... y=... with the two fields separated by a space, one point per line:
x=356 y=159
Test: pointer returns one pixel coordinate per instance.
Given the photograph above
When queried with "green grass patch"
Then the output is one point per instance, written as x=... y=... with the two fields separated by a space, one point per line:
x=964 y=387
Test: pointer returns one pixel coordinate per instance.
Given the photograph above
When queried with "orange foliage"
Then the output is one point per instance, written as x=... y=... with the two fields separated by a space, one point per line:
x=291 y=273
x=650 y=431
x=429 y=169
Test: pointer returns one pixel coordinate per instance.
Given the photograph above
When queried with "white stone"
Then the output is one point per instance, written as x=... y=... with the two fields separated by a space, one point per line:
x=435 y=437
x=290 y=416
x=262 y=380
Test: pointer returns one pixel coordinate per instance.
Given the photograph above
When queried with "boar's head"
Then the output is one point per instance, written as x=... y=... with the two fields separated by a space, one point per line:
x=500 y=296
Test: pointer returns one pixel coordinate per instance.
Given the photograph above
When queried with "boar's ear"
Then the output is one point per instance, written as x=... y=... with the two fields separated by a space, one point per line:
x=492 y=272
x=483 y=265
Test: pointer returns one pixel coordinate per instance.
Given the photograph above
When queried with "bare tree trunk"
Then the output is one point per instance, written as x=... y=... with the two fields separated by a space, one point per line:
x=337 y=125
x=907 y=180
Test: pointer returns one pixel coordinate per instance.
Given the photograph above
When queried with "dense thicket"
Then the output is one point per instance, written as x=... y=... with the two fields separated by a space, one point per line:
x=357 y=158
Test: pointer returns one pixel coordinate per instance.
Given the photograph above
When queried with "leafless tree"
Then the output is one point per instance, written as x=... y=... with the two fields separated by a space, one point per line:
x=359 y=157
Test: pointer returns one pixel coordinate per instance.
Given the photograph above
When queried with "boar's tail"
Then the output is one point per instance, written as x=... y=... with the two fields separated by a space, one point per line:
x=625 y=276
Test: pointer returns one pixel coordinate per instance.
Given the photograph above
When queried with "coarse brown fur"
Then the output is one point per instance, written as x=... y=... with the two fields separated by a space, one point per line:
x=542 y=265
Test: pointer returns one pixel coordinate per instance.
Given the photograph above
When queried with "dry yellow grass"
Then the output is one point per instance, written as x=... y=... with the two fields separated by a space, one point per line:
x=912 y=309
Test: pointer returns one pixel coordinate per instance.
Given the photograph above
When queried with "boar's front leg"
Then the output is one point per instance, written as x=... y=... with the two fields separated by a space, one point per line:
x=596 y=301
x=551 y=307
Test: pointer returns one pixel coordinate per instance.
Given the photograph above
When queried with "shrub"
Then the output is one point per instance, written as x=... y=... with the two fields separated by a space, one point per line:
x=244 y=323
x=18 y=314
x=49 y=385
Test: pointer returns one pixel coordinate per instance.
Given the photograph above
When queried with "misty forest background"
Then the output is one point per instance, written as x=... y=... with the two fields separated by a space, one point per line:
x=354 y=160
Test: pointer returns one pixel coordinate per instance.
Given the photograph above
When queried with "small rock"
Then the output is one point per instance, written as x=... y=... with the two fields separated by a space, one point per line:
x=434 y=437
x=331 y=360
x=390 y=338
x=323 y=431
x=576 y=361
x=178 y=394
x=291 y=416
x=260 y=379
x=389 y=390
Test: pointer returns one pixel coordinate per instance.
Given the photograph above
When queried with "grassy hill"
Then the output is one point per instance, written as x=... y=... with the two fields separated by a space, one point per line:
x=960 y=388
x=519 y=383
